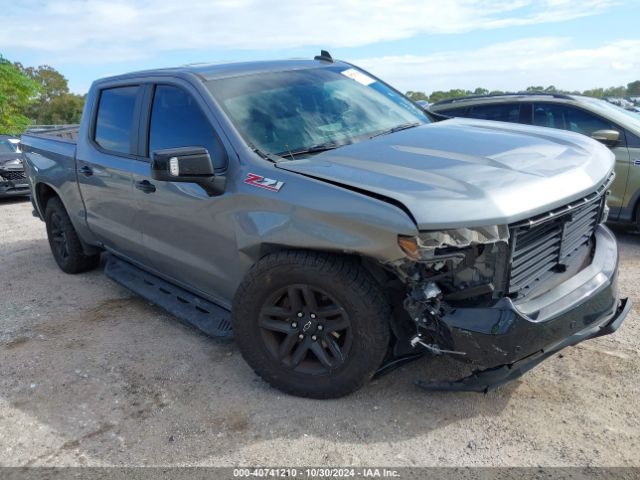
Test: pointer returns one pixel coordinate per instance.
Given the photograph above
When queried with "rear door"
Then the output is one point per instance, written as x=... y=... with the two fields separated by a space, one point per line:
x=105 y=162
x=186 y=233
x=576 y=119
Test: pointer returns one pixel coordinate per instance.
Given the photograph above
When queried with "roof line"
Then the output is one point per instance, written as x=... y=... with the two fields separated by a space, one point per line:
x=507 y=94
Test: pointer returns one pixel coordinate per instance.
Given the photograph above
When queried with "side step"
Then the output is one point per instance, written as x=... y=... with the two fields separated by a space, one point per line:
x=202 y=314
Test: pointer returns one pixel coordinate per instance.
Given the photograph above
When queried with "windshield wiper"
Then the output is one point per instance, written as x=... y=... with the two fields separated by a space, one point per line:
x=267 y=156
x=397 y=128
x=320 y=147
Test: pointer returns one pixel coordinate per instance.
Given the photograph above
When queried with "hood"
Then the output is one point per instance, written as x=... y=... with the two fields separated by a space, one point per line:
x=464 y=172
x=11 y=160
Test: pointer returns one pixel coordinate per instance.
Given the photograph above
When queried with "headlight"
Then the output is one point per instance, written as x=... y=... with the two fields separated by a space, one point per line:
x=467 y=264
x=426 y=246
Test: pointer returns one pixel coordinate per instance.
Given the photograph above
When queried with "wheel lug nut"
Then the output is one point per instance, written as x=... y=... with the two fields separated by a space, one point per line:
x=301 y=336
x=320 y=327
x=313 y=315
x=314 y=338
x=294 y=324
x=300 y=314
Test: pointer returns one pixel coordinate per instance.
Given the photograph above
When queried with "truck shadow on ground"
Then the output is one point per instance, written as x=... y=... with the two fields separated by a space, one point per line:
x=102 y=377
x=13 y=200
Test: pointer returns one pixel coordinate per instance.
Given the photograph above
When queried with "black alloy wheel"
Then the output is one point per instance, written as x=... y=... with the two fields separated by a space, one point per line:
x=306 y=329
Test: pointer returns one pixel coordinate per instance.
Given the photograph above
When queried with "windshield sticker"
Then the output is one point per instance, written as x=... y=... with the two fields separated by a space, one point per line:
x=262 y=182
x=358 y=76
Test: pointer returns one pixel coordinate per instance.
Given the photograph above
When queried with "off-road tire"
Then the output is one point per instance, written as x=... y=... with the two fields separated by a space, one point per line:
x=64 y=242
x=354 y=291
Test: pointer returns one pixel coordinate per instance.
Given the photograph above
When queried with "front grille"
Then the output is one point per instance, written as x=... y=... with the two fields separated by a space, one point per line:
x=548 y=244
x=13 y=175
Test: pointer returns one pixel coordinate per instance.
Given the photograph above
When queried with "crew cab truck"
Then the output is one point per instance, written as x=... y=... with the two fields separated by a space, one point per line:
x=330 y=224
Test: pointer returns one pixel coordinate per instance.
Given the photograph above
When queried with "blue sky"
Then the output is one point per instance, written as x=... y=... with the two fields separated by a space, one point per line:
x=415 y=45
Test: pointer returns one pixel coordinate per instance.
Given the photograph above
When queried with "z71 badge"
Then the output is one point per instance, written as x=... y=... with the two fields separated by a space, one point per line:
x=262 y=182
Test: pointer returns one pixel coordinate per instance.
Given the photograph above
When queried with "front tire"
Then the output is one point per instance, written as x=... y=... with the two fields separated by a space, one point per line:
x=65 y=244
x=310 y=324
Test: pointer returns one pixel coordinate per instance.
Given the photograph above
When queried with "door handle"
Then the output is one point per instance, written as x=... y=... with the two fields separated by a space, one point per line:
x=146 y=186
x=85 y=170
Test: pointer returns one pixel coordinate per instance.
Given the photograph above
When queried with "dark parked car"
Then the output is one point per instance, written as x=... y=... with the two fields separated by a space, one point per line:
x=319 y=214
x=13 y=180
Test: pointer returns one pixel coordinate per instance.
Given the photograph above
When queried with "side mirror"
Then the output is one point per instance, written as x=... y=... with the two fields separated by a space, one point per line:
x=189 y=165
x=609 y=137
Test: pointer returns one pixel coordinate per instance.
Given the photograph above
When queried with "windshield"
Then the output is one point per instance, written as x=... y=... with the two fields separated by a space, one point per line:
x=7 y=147
x=307 y=111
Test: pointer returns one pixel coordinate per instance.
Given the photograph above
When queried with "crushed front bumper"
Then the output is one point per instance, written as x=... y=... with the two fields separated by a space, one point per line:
x=507 y=340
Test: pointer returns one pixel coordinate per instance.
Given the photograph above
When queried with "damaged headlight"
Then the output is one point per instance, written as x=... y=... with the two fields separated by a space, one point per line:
x=467 y=264
x=424 y=246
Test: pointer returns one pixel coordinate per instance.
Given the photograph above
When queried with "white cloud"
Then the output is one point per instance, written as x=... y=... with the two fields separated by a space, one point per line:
x=102 y=31
x=513 y=66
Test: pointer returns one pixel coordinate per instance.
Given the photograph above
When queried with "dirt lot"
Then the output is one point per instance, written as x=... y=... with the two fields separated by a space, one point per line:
x=92 y=375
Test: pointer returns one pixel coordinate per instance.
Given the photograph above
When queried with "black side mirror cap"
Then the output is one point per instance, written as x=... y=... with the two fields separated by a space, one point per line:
x=187 y=165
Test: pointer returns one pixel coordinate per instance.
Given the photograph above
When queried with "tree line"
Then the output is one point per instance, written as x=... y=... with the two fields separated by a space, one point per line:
x=631 y=90
x=35 y=95
x=40 y=95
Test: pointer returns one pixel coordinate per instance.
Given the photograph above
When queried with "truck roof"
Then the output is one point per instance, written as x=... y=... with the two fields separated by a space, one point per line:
x=211 y=71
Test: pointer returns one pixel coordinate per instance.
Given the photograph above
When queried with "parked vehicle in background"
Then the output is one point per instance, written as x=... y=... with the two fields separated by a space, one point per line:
x=617 y=128
x=13 y=180
x=322 y=215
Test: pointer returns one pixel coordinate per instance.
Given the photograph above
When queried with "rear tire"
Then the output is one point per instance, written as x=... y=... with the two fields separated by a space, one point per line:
x=311 y=324
x=65 y=244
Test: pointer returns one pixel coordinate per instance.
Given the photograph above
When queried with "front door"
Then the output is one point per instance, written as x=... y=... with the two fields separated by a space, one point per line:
x=187 y=234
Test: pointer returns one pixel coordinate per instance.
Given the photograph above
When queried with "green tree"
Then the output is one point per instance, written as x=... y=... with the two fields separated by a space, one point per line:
x=55 y=104
x=633 y=88
x=17 y=92
x=453 y=93
x=594 y=92
x=415 y=96
x=65 y=108
x=481 y=91
x=615 y=92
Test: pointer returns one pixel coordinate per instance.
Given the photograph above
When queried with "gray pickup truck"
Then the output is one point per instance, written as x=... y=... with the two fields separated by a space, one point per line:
x=332 y=225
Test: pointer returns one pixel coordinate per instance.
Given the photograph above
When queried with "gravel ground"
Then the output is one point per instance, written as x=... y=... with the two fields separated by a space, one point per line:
x=92 y=375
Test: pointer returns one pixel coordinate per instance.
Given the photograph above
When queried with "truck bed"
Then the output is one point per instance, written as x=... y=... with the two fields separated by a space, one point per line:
x=64 y=132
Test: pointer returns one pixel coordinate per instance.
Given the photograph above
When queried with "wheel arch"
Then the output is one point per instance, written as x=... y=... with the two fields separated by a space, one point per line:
x=377 y=270
x=44 y=192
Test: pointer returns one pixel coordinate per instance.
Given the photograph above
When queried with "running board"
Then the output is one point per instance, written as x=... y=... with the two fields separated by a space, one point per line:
x=192 y=309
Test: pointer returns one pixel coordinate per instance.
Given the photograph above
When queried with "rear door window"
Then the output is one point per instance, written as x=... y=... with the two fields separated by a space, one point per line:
x=115 y=119
x=502 y=112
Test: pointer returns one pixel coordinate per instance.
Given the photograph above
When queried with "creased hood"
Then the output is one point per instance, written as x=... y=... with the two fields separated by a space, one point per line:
x=464 y=172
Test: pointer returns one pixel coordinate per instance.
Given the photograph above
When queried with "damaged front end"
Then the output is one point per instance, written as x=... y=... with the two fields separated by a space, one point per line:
x=461 y=303
x=448 y=269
